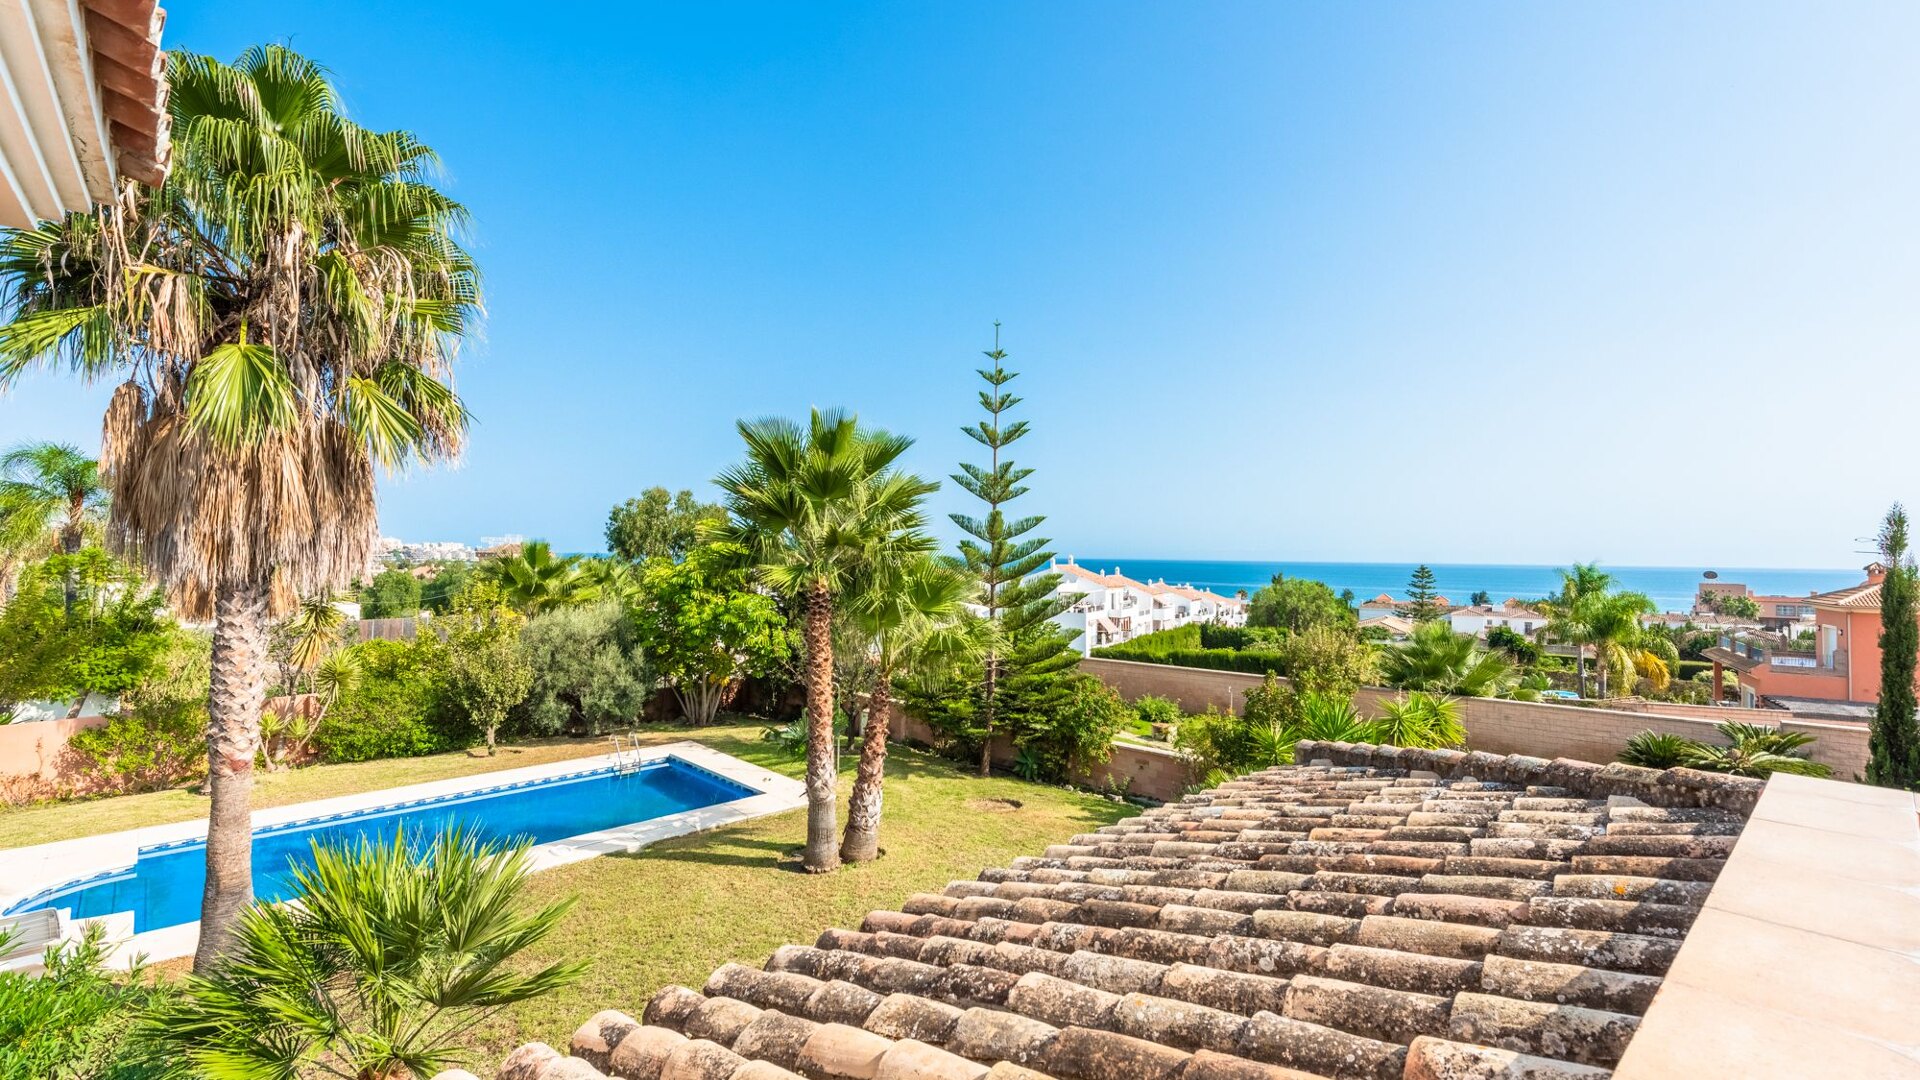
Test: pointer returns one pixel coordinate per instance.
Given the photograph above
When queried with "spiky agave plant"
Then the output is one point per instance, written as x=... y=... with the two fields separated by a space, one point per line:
x=281 y=315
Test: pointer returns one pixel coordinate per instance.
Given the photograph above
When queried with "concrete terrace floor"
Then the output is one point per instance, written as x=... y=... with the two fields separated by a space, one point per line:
x=683 y=907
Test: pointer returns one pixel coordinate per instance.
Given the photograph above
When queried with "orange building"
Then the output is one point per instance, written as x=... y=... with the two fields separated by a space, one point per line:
x=1838 y=676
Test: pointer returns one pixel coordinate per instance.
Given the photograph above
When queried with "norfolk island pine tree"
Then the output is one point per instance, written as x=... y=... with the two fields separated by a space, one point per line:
x=1016 y=601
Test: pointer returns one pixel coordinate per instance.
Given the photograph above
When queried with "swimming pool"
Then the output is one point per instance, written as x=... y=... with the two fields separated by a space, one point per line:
x=162 y=887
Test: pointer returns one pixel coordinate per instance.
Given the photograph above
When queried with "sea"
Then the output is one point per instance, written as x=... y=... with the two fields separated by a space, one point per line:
x=1671 y=587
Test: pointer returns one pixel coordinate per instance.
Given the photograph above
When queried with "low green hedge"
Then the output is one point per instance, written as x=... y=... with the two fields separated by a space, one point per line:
x=1251 y=662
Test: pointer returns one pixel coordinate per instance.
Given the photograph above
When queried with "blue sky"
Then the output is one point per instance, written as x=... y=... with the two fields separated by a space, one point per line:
x=1460 y=283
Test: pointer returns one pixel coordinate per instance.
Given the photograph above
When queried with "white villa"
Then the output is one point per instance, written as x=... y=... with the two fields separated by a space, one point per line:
x=1109 y=608
x=1512 y=614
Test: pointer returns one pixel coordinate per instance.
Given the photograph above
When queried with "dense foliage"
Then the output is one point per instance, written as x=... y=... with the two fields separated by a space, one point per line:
x=76 y=1021
x=1294 y=604
x=394 y=711
x=658 y=525
x=159 y=737
x=1438 y=660
x=1182 y=646
x=478 y=660
x=703 y=630
x=1894 y=744
x=589 y=674
x=104 y=641
x=394 y=593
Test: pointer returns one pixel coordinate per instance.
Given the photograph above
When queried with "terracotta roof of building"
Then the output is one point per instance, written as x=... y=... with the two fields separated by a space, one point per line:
x=1377 y=915
x=1865 y=595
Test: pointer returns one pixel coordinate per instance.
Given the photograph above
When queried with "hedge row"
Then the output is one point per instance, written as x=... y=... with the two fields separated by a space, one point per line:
x=1251 y=662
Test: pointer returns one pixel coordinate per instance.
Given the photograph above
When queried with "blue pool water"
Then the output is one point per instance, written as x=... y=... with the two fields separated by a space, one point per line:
x=163 y=886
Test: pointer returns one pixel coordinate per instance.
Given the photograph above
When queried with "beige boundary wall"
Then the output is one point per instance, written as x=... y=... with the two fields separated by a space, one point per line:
x=1135 y=770
x=1538 y=729
x=32 y=751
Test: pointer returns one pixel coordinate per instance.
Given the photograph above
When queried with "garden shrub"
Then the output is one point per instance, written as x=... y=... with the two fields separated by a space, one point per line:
x=1077 y=731
x=1157 y=710
x=159 y=738
x=588 y=672
x=75 y=1022
x=394 y=710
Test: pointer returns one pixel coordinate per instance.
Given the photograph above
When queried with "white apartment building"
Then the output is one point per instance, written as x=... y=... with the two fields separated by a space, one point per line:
x=1109 y=608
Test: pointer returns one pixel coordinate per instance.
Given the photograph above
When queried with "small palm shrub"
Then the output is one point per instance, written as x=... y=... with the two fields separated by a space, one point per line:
x=1658 y=750
x=1420 y=720
x=392 y=953
x=1754 y=750
x=1327 y=718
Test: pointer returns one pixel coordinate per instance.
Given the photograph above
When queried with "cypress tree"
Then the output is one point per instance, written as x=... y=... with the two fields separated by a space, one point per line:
x=1894 y=744
x=1423 y=597
x=1003 y=557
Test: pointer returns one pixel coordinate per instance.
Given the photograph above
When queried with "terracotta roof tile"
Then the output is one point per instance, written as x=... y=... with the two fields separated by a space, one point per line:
x=1357 y=920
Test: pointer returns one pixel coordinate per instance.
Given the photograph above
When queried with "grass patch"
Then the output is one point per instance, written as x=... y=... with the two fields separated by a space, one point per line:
x=679 y=909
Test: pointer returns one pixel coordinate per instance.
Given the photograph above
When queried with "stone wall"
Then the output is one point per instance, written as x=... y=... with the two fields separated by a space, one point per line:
x=1135 y=770
x=1533 y=728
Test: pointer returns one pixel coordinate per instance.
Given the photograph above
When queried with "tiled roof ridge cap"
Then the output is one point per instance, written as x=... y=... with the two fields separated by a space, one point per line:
x=1678 y=787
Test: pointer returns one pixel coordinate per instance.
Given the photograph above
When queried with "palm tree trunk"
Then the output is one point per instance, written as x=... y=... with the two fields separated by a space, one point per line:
x=822 y=852
x=1580 y=665
x=233 y=738
x=70 y=587
x=862 y=842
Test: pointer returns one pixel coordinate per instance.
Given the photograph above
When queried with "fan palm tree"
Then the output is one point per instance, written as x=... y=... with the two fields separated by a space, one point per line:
x=913 y=609
x=380 y=970
x=1436 y=659
x=534 y=579
x=1610 y=622
x=1566 y=612
x=47 y=491
x=282 y=314
x=809 y=510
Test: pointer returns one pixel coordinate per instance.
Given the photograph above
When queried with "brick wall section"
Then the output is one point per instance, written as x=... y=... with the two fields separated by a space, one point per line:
x=1135 y=770
x=1533 y=728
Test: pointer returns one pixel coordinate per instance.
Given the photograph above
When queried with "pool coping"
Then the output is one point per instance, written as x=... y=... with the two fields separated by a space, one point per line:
x=26 y=871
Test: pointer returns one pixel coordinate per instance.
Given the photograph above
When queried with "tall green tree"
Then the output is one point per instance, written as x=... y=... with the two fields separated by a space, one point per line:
x=1294 y=604
x=1610 y=623
x=47 y=491
x=1003 y=558
x=1894 y=744
x=907 y=611
x=702 y=630
x=809 y=510
x=282 y=314
x=392 y=594
x=480 y=661
x=658 y=525
x=1423 y=597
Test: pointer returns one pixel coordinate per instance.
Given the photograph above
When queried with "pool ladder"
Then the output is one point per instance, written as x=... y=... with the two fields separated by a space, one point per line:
x=626 y=753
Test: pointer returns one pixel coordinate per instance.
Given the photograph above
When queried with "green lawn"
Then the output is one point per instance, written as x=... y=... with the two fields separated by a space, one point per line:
x=681 y=908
